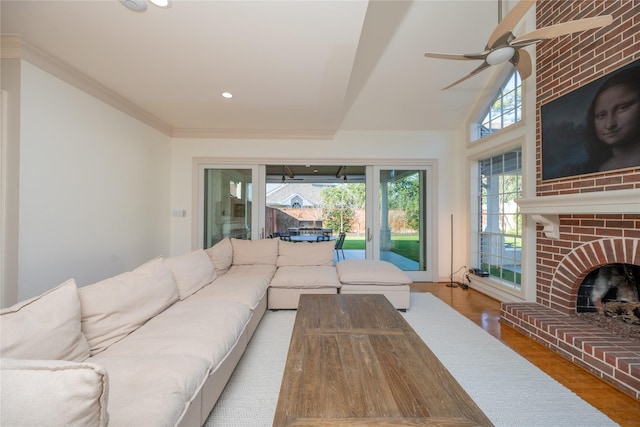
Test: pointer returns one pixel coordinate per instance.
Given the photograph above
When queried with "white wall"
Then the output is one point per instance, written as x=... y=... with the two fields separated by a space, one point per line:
x=94 y=187
x=446 y=148
x=9 y=179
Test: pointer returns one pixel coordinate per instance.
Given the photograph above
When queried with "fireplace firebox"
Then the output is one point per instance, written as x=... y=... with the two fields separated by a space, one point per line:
x=614 y=282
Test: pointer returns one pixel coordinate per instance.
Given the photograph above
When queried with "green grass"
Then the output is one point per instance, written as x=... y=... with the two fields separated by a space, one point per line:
x=505 y=274
x=407 y=246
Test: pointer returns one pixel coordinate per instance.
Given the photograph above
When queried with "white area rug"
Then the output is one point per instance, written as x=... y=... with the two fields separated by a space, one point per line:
x=509 y=389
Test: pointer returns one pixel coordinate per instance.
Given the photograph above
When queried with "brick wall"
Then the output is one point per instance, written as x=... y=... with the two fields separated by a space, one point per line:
x=564 y=64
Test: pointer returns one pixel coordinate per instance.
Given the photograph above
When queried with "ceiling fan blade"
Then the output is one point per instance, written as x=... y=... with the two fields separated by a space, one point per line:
x=509 y=22
x=522 y=62
x=465 y=56
x=561 y=30
x=471 y=74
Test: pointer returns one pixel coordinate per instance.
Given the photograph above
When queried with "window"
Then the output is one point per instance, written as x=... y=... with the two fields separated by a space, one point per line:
x=505 y=110
x=499 y=235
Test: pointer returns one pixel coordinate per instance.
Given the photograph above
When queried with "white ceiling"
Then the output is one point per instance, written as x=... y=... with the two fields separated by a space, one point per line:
x=294 y=67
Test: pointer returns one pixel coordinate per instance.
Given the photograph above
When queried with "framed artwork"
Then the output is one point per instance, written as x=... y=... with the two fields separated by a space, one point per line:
x=238 y=209
x=594 y=128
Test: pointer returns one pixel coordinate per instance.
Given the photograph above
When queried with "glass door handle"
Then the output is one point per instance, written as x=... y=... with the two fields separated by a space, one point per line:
x=369 y=235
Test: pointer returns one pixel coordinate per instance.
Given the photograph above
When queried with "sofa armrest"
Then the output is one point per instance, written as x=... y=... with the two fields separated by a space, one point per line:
x=47 y=392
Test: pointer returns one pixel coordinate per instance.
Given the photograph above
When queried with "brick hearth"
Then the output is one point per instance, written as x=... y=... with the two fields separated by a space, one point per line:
x=614 y=359
x=549 y=321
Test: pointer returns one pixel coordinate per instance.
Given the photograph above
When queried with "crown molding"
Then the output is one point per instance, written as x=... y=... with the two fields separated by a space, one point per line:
x=10 y=46
x=14 y=47
x=252 y=134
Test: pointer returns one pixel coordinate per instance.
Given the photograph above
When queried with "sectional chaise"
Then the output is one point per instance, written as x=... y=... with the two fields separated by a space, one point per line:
x=157 y=345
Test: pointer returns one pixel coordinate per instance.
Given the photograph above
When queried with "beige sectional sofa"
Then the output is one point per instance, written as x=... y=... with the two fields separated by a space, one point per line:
x=156 y=345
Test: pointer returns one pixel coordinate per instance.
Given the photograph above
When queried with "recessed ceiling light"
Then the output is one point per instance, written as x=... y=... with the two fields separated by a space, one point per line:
x=227 y=95
x=161 y=3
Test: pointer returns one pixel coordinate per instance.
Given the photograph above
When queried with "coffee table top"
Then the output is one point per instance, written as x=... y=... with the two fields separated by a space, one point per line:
x=354 y=360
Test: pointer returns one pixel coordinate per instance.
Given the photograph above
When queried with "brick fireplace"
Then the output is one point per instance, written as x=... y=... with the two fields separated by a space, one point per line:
x=614 y=359
x=585 y=221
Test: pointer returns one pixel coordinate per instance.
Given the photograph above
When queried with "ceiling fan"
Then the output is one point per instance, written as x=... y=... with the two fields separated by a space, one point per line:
x=504 y=47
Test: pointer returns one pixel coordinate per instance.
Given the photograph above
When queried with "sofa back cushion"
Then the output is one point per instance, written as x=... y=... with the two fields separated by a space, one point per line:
x=45 y=327
x=115 y=307
x=305 y=254
x=221 y=255
x=254 y=252
x=191 y=271
x=53 y=392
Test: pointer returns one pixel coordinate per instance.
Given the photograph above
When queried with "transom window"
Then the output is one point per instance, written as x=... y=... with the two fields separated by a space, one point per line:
x=505 y=110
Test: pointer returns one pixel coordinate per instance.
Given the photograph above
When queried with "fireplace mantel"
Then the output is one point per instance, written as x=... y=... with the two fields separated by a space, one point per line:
x=546 y=209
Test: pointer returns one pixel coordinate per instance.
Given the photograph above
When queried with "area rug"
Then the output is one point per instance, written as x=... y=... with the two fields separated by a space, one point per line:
x=508 y=388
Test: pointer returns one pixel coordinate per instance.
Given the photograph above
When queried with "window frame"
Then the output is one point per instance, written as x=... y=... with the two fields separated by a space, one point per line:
x=476 y=132
x=490 y=230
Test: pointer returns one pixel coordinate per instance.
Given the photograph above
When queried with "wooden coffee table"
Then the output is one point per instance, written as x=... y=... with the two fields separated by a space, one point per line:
x=354 y=360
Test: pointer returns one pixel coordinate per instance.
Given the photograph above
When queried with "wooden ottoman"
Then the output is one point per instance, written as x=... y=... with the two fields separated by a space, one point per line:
x=365 y=276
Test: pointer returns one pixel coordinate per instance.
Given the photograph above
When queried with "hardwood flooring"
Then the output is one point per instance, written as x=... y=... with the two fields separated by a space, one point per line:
x=485 y=312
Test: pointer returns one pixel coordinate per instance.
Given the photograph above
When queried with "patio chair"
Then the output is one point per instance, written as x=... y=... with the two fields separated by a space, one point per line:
x=339 y=244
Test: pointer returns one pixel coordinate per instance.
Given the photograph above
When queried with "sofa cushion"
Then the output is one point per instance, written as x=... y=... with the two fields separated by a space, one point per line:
x=196 y=327
x=221 y=255
x=370 y=272
x=316 y=253
x=52 y=392
x=152 y=390
x=305 y=277
x=250 y=252
x=260 y=273
x=113 y=308
x=249 y=293
x=192 y=271
x=45 y=327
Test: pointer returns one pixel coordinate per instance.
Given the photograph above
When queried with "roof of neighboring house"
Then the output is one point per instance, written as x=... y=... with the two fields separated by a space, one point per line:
x=282 y=195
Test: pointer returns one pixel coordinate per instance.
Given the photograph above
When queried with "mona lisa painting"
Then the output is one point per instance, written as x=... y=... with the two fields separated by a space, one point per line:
x=595 y=128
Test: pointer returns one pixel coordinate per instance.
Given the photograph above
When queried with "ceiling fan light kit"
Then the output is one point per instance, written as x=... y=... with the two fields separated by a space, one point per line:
x=500 y=55
x=504 y=47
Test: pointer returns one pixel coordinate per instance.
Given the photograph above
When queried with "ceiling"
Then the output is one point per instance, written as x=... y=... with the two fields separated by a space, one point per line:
x=324 y=174
x=298 y=69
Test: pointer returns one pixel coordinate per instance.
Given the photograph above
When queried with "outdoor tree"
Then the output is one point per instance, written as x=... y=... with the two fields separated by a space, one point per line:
x=339 y=204
x=404 y=195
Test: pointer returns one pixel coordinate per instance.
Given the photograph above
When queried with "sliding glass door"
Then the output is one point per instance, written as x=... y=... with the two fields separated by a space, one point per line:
x=226 y=203
x=399 y=211
x=384 y=210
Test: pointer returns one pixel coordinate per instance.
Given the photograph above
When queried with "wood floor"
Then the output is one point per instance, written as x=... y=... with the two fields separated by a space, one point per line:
x=485 y=312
